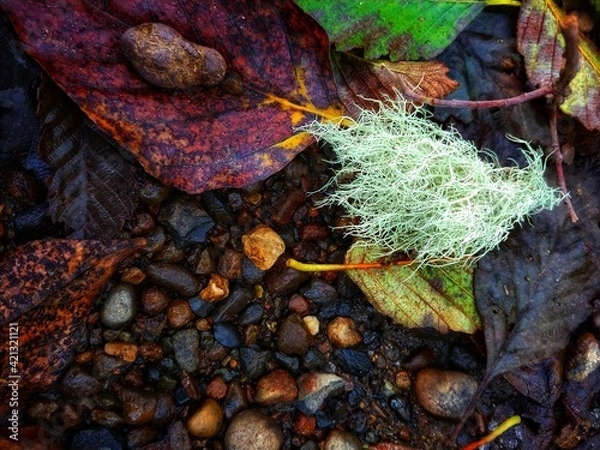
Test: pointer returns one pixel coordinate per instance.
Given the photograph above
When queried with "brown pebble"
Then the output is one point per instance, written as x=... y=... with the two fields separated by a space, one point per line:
x=444 y=393
x=207 y=420
x=179 y=314
x=140 y=437
x=170 y=253
x=341 y=440
x=127 y=352
x=142 y=224
x=138 y=407
x=217 y=388
x=173 y=277
x=277 y=386
x=133 y=276
x=298 y=305
x=284 y=207
x=293 y=337
x=151 y=351
x=313 y=231
x=230 y=264
x=422 y=359
x=583 y=359
x=154 y=300
x=282 y=280
x=402 y=380
x=253 y=430
x=216 y=290
x=305 y=425
x=263 y=246
x=342 y=332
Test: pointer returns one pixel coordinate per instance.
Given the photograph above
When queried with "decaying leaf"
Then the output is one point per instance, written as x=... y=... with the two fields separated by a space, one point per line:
x=92 y=190
x=542 y=46
x=537 y=288
x=46 y=291
x=406 y=29
x=438 y=297
x=359 y=80
x=233 y=134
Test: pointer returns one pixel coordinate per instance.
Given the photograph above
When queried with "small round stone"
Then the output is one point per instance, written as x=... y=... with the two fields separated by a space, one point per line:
x=277 y=386
x=294 y=337
x=125 y=351
x=444 y=393
x=341 y=440
x=179 y=314
x=252 y=430
x=315 y=388
x=313 y=324
x=342 y=332
x=207 y=420
x=583 y=359
x=119 y=307
x=185 y=345
x=154 y=300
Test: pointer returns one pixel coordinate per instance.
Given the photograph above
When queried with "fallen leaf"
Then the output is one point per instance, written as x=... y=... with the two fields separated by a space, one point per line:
x=542 y=46
x=407 y=29
x=438 y=297
x=92 y=190
x=359 y=80
x=485 y=62
x=195 y=139
x=537 y=287
x=46 y=291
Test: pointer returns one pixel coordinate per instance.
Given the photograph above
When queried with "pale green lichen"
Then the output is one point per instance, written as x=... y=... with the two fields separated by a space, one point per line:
x=423 y=190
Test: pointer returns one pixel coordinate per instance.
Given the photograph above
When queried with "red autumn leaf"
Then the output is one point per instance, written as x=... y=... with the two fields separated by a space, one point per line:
x=196 y=139
x=46 y=291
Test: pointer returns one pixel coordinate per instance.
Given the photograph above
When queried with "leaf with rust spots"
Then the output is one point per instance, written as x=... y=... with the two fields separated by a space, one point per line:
x=46 y=291
x=198 y=139
x=542 y=45
x=359 y=80
x=402 y=29
x=437 y=297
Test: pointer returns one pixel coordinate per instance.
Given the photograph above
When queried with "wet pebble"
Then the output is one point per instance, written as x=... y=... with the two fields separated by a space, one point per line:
x=230 y=264
x=315 y=388
x=179 y=314
x=227 y=335
x=252 y=430
x=293 y=337
x=583 y=359
x=178 y=437
x=216 y=290
x=277 y=386
x=319 y=291
x=282 y=280
x=139 y=437
x=263 y=246
x=185 y=345
x=235 y=400
x=227 y=310
x=255 y=361
x=125 y=351
x=207 y=420
x=91 y=439
x=444 y=393
x=138 y=407
x=173 y=277
x=200 y=307
x=78 y=381
x=284 y=207
x=154 y=300
x=119 y=307
x=251 y=314
x=353 y=361
x=341 y=440
x=106 y=365
x=186 y=220
x=401 y=406
x=342 y=332
x=299 y=305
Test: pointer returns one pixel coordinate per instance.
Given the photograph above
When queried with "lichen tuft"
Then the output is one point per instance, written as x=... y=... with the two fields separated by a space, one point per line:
x=424 y=190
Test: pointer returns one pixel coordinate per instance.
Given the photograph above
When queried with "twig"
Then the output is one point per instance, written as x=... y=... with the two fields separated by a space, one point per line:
x=474 y=104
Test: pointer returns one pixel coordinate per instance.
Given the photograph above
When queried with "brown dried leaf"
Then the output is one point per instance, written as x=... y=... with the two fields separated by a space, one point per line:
x=46 y=291
x=358 y=80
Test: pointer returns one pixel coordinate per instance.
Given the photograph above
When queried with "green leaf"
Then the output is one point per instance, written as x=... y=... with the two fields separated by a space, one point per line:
x=439 y=297
x=404 y=29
